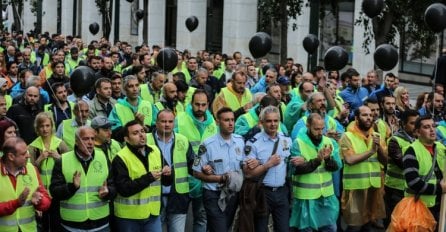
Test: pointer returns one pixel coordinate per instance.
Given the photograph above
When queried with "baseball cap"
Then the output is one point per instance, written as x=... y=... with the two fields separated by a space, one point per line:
x=100 y=122
x=283 y=80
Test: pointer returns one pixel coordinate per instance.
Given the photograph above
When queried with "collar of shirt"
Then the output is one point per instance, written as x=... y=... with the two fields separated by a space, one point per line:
x=222 y=141
x=266 y=137
x=81 y=158
x=5 y=171
x=159 y=139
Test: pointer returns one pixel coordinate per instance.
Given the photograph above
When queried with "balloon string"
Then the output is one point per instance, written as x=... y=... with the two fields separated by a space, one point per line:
x=65 y=113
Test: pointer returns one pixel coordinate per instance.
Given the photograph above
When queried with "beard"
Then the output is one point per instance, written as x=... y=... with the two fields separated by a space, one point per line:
x=363 y=125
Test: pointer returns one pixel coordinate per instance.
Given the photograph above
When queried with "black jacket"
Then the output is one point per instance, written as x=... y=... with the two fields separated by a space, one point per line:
x=23 y=115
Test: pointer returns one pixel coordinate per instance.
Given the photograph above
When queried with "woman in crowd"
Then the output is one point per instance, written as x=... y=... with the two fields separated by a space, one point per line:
x=402 y=99
x=8 y=129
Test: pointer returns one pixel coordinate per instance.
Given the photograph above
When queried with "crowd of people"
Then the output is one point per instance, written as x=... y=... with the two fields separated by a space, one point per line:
x=232 y=142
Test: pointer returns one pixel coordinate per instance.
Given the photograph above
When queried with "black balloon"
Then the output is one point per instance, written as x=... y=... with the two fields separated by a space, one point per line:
x=192 y=23
x=260 y=44
x=386 y=57
x=94 y=28
x=82 y=80
x=167 y=59
x=372 y=8
x=130 y=1
x=310 y=43
x=435 y=17
x=335 y=58
x=139 y=14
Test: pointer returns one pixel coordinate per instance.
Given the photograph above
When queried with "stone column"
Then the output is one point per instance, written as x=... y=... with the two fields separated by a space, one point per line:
x=49 y=16
x=156 y=22
x=67 y=17
x=295 y=48
x=239 y=25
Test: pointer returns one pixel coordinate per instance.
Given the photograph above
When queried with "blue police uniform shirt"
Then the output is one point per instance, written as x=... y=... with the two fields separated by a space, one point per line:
x=223 y=155
x=261 y=148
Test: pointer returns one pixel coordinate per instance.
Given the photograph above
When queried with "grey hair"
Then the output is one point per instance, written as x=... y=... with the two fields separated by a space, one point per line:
x=33 y=81
x=79 y=130
x=268 y=110
x=312 y=96
x=127 y=79
x=202 y=70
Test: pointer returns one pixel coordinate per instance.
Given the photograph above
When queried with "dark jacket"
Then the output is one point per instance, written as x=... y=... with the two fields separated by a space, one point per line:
x=23 y=115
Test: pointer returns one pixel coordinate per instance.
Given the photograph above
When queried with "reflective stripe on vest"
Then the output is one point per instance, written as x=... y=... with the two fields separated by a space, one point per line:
x=180 y=148
x=125 y=114
x=23 y=217
x=424 y=159
x=85 y=204
x=233 y=102
x=365 y=174
x=148 y=201
x=315 y=184
x=394 y=175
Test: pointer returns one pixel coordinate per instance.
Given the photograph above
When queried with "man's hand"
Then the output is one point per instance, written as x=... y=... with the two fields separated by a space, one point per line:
x=247 y=107
x=297 y=160
x=207 y=169
x=77 y=179
x=252 y=163
x=326 y=151
x=167 y=171
x=103 y=190
x=23 y=196
x=139 y=117
x=156 y=174
x=36 y=197
x=274 y=160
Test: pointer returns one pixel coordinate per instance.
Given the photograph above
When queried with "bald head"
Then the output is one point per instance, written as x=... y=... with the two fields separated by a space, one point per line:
x=32 y=95
x=170 y=91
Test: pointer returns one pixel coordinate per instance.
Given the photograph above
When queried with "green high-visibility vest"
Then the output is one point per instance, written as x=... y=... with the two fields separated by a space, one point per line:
x=125 y=114
x=147 y=202
x=365 y=174
x=47 y=165
x=187 y=128
x=318 y=183
x=180 y=148
x=189 y=93
x=332 y=125
x=424 y=159
x=394 y=175
x=8 y=100
x=233 y=102
x=147 y=95
x=49 y=108
x=442 y=130
x=178 y=107
x=45 y=60
x=23 y=217
x=253 y=120
x=85 y=204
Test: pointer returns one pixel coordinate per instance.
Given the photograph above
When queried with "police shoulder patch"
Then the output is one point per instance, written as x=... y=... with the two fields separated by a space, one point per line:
x=201 y=150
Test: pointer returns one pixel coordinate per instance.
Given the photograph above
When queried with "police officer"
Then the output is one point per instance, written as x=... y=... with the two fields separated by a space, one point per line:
x=177 y=153
x=271 y=148
x=220 y=156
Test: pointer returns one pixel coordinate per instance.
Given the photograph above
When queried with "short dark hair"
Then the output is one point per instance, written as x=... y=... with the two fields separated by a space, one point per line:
x=405 y=115
x=101 y=80
x=268 y=100
x=370 y=100
x=199 y=91
x=182 y=86
x=223 y=110
x=129 y=124
x=420 y=120
x=56 y=85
